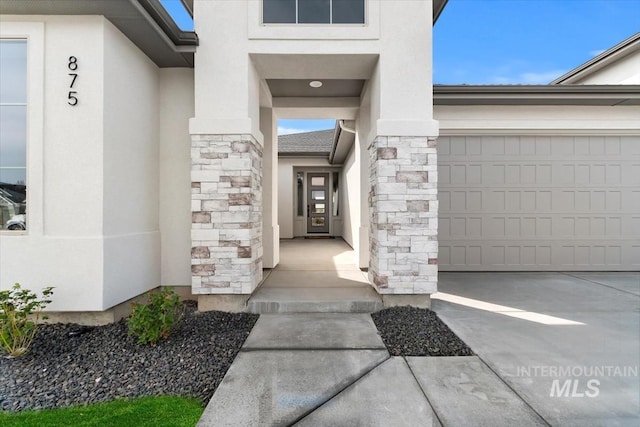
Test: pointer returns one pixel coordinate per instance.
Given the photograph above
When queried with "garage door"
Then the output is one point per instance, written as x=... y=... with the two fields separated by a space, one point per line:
x=539 y=203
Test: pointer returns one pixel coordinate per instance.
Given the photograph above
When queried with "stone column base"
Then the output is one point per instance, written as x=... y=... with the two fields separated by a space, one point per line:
x=226 y=209
x=403 y=212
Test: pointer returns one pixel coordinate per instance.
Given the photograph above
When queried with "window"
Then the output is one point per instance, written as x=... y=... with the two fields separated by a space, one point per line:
x=300 y=193
x=336 y=195
x=13 y=133
x=313 y=11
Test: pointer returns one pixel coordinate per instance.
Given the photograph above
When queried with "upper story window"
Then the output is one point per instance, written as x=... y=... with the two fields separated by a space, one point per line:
x=13 y=133
x=313 y=11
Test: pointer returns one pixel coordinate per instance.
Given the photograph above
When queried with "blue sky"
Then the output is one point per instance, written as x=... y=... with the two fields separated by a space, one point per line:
x=526 y=41
x=508 y=41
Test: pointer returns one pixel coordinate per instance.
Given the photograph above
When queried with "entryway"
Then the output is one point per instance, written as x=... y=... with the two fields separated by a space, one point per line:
x=317 y=203
x=315 y=275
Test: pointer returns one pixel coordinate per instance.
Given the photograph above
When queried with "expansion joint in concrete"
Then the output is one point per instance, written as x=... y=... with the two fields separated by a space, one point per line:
x=346 y=386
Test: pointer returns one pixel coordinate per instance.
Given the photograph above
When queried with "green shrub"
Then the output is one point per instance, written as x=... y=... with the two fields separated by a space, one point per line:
x=153 y=320
x=19 y=316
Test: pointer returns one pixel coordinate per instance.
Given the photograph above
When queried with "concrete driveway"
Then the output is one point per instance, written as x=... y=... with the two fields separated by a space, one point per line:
x=567 y=343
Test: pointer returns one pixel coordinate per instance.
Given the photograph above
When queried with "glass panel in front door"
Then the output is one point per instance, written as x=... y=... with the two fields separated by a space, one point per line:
x=317 y=212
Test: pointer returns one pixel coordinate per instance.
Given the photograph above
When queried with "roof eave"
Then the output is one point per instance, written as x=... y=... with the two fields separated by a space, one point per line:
x=438 y=7
x=603 y=95
x=161 y=17
x=618 y=51
x=145 y=22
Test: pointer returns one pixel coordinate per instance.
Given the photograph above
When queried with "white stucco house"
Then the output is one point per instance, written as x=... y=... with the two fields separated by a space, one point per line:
x=146 y=156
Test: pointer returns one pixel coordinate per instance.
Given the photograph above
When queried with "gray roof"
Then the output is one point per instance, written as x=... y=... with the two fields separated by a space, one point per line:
x=316 y=143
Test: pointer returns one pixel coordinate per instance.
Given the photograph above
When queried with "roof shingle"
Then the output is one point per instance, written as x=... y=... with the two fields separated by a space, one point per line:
x=314 y=143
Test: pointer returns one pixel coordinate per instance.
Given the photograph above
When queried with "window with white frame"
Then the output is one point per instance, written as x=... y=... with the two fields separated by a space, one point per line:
x=13 y=134
x=313 y=11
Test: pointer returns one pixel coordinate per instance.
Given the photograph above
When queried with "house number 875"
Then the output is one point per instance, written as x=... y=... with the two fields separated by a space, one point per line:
x=73 y=67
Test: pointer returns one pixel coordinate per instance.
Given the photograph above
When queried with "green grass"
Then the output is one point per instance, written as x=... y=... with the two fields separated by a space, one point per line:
x=162 y=411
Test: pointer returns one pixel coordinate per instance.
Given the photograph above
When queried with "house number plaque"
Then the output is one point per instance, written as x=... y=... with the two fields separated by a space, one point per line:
x=73 y=94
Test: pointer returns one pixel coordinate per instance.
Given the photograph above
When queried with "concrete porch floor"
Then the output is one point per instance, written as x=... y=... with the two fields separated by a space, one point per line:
x=315 y=275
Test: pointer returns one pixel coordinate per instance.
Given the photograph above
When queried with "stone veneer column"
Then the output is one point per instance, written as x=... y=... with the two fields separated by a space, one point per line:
x=226 y=206
x=403 y=211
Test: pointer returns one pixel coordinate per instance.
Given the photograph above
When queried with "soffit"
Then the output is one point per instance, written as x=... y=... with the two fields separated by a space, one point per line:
x=144 y=22
x=330 y=88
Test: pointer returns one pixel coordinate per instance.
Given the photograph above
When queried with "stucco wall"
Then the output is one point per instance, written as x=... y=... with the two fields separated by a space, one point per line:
x=625 y=71
x=176 y=107
x=460 y=120
x=91 y=169
x=350 y=176
x=130 y=149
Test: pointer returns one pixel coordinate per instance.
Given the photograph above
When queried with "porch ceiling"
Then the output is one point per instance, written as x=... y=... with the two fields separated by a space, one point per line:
x=301 y=88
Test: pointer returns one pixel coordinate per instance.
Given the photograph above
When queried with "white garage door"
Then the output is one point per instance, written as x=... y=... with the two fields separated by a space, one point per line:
x=539 y=203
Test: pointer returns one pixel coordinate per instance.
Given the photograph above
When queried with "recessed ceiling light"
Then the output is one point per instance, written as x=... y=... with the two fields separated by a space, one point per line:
x=315 y=83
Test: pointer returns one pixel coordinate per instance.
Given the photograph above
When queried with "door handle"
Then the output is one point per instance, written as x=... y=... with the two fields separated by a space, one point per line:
x=308 y=212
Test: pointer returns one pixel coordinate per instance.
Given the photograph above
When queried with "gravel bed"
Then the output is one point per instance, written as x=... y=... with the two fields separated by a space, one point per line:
x=410 y=331
x=73 y=365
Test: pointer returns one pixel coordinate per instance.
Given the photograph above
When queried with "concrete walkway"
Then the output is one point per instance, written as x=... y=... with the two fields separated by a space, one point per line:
x=328 y=369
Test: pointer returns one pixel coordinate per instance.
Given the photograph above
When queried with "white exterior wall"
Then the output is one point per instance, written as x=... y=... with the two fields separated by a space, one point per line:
x=176 y=108
x=463 y=120
x=227 y=85
x=270 y=228
x=625 y=71
x=131 y=153
x=91 y=169
x=350 y=176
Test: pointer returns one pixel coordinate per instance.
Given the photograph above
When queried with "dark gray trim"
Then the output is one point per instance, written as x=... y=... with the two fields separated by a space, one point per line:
x=537 y=95
x=188 y=5
x=438 y=7
x=334 y=144
x=168 y=25
x=304 y=154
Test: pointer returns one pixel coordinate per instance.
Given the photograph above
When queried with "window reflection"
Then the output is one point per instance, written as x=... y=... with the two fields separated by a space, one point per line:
x=13 y=134
x=335 y=194
x=313 y=11
x=300 y=192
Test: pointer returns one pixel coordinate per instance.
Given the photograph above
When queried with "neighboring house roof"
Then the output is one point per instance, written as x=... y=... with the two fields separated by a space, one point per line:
x=145 y=22
x=605 y=95
x=606 y=58
x=317 y=143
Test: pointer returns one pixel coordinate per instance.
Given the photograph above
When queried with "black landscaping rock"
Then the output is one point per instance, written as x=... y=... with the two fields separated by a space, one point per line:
x=70 y=365
x=410 y=331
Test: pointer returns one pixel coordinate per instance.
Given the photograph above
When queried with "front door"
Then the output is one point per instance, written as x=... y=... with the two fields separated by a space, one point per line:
x=318 y=203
